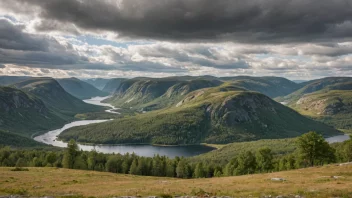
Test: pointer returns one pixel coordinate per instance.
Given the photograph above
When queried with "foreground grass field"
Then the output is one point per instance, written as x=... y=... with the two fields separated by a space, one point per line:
x=310 y=182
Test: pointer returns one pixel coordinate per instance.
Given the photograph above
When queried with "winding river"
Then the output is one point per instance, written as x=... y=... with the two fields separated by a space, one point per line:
x=141 y=150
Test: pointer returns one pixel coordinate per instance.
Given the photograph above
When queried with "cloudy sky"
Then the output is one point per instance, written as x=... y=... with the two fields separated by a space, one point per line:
x=296 y=39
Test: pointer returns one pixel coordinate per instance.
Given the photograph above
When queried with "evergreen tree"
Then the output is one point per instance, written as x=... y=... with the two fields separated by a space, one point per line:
x=157 y=166
x=70 y=154
x=199 y=171
x=112 y=164
x=134 y=167
x=347 y=150
x=282 y=164
x=51 y=158
x=290 y=164
x=142 y=166
x=92 y=160
x=246 y=163
x=125 y=167
x=80 y=163
x=182 y=169
x=264 y=159
x=217 y=173
x=170 y=168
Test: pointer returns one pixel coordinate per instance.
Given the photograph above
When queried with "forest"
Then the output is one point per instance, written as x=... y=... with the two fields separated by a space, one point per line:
x=312 y=150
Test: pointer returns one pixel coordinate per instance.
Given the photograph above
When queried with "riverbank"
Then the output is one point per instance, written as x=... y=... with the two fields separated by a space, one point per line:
x=148 y=150
x=322 y=182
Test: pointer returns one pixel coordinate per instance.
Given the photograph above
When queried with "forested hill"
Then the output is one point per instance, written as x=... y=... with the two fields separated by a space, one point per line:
x=151 y=94
x=220 y=114
x=80 y=89
x=147 y=94
x=18 y=141
x=328 y=100
x=270 y=86
x=24 y=114
x=55 y=97
x=324 y=84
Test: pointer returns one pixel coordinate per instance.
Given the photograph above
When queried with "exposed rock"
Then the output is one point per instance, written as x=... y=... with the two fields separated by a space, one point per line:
x=278 y=179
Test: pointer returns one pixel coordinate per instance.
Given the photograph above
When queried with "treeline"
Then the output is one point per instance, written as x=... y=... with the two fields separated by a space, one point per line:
x=312 y=150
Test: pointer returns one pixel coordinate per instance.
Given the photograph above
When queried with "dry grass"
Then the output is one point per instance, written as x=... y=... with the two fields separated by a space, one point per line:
x=310 y=182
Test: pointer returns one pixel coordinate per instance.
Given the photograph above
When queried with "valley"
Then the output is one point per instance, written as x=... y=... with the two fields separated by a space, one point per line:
x=162 y=127
x=175 y=99
x=216 y=115
x=50 y=138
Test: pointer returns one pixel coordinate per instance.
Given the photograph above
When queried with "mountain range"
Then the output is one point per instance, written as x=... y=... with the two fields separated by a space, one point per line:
x=178 y=110
x=219 y=114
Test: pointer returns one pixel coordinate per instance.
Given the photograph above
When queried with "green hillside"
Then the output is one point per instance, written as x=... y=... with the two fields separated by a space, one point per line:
x=327 y=100
x=270 y=86
x=333 y=107
x=24 y=113
x=17 y=141
x=330 y=83
x=139 y=91
x=80 y=89
x=224 y=154
x=145 y=94
x=55 y=97
x=220 y=114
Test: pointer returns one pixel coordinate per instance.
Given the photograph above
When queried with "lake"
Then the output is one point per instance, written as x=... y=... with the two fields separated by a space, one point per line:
x=141 y=150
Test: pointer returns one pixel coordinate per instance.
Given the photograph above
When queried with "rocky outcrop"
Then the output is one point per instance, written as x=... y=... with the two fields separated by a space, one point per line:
x=323 y=106
x=244 y=107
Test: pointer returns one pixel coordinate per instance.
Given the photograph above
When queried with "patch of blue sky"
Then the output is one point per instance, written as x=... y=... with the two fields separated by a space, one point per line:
x=346 y=56
x=11 y=18
x=278 y=56
x=91 y=40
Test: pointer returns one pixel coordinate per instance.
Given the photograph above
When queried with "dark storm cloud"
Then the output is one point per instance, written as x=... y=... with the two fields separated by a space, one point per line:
x=197 y=20
x=18 y=47
x=12 y=37
x=2 y=66
x=37 y=51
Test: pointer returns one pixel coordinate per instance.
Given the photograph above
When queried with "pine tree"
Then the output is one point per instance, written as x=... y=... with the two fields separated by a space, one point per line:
x=282 y=164
x=347 y=150
x=157 y=166
x=134 y=167
x=246 y=163
x=112 y=164
x=92 y=160
x=264 y=159
x=70 y=154
x=170 y=168
x=181 y=169
x=142 y=166
x=199 y=171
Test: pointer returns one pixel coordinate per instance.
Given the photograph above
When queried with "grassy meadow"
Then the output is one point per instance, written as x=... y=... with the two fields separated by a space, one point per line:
x=309 y=182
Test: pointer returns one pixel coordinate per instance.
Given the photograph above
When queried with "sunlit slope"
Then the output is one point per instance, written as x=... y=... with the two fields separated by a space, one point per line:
x=220 y=114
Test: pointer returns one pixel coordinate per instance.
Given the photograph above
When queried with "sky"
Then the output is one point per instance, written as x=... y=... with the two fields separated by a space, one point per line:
x=295 y=39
